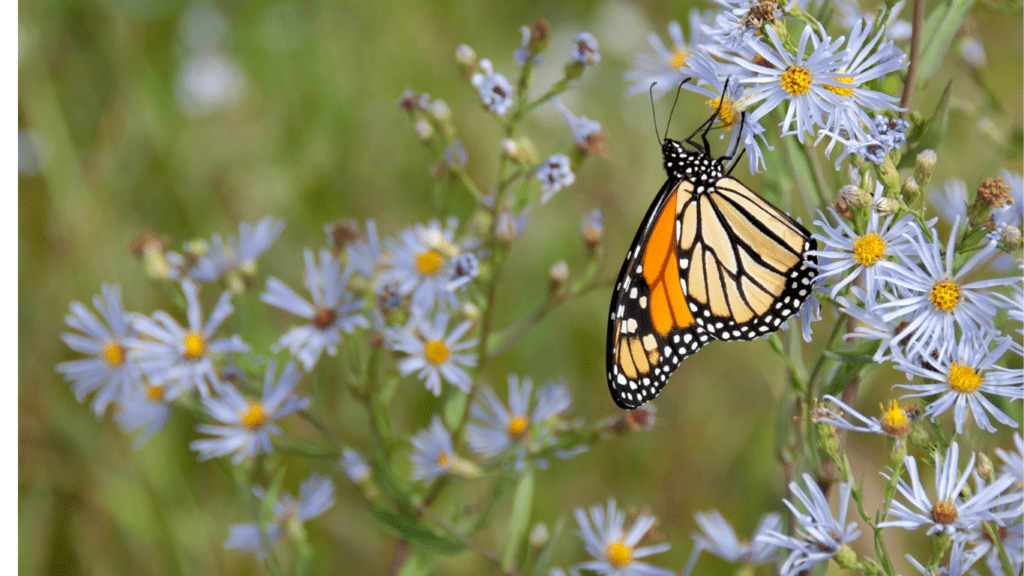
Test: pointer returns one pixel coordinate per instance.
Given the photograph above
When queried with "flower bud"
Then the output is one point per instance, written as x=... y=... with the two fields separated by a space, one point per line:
x=888 y=175
x=539 y=535
x=992 y=193
x=558 y=276
x=424 y=131
x=466 y=59
x=924 y=166
x=592 y=230
x=984 y=466
x=910 y=190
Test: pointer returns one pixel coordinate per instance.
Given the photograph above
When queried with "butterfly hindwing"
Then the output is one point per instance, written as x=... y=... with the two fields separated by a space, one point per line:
x=743 y=259
x=651 y=328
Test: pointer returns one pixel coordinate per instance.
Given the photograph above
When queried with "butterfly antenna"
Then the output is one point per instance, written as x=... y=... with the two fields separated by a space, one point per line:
x=739 y=142
x=679 y=89
x=654 y=112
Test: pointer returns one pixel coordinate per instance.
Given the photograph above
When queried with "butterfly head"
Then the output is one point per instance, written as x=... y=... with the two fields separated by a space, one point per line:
x=690 y=164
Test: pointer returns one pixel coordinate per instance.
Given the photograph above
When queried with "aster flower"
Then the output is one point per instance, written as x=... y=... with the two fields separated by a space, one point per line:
x=938 y=301
x=736 y=25
x=238 y=253
x=729 y=102
x=895 y=422
x=509 y=226
x=144 y=413
x=495 y=90
x=949 y=513
x=615 y=549
x=960 y=560
x=355 y=466
x=493 y=428
x=1013 y=463
x=720 y=539
x=316 y=495
x=1011 y=537
x=182 y=358
x=586 y=133
x=433 y=454
x=804 y=82
x=364 y=255
x=865 y=58
x=108 y=371
x=433 y=352
x=964 y=378
x=554 y=174
x=663 y=69
x=245 y=426
x=849 y=254
x=584 y=49
x=332 y=311
x=523 y=52
x=423 y=264
x=592 y=228
x=884 y=135
x=820 y=536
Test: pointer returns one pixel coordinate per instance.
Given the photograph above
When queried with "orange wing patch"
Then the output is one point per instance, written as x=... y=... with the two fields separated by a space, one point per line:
x=661 y=271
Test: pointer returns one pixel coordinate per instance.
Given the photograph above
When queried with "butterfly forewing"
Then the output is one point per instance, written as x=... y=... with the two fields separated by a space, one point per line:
x=651 y=328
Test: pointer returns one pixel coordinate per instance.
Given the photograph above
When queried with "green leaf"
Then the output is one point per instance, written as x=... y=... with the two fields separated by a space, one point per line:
x=420 y=563
x=415 y=532
x=519 y=523
x=937 y=45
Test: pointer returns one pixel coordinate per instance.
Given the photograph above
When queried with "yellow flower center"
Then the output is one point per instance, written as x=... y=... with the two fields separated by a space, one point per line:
x=428 y=262
x=436 y=351
x=154 y=393
x=517 y=425
x=254 y=418
x=844 y=92
x=113 y=353
x=796 y=80
x=444 y=461
x=944 y=512
x=195 y=346
x=894 y=421
x=945 y=295
x=868 y=249
x=963 y=378
x=618 y=554
x=727 y=114
x=678 y=58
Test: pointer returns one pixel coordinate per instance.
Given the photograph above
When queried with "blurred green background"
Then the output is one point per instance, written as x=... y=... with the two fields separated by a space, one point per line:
x=187 y=118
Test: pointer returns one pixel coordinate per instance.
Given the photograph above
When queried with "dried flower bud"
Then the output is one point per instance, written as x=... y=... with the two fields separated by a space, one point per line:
x=342 y=232
x=885 y=206
x=925 y=165
x=851 y=195
x=592 y=230
x=558 y=276
x=540 y=35
x=1011 y=236
x=995 y=192
x=411 y=101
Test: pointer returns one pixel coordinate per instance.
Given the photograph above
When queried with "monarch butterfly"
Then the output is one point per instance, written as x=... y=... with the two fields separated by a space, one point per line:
x=711 y=260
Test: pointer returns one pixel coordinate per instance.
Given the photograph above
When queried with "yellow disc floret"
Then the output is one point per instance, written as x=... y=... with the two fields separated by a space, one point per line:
x=618 y=554
x=678 y=59
x=517 y=425
x=254 y=418
x=436 y=351
x=963 y=378
x=894 y=421
x=868 y=249
x=842 y=91
x=944 y=512
x=195 y=346
x=429 y=262
x=727 y=112
x=796 y=80
x=113 y=354
x=945 y=296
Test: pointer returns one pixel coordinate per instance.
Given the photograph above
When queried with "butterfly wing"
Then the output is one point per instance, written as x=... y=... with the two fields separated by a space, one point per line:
x=742 y=262
x=651 y=328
